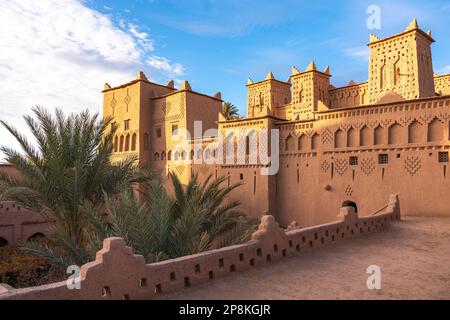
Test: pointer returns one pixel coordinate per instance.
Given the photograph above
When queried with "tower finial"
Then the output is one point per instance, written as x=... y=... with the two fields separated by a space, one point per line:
x=141 y=76
x=270 y=76
x=249 y=80
x=311 y=66
x=327 y=70
x=412 y=25
x=170 y=84
x=373 y=38
x=295 y=70
x=185 y=85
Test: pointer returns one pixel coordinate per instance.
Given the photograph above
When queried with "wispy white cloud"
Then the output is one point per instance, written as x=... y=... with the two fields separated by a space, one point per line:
x=362 y=53
x=161 y=63
x=60 y=52
x=142 y=37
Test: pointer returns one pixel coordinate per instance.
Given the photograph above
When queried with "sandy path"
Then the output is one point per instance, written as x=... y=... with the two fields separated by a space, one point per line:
x=414 y=257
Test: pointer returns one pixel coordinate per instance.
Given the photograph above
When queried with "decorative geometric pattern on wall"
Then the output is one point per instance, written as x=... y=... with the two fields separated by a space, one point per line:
x=127 y=99
x=349 y=190
x=113 y=102
x=367 y=166
x=341 y=166
x=179 y=169
x=325 y=166
x=423 y=119
x=372 y=124
x=204 y=170
x=327 y=136
x=386 y=123
x=405 y=121
x=412 y=165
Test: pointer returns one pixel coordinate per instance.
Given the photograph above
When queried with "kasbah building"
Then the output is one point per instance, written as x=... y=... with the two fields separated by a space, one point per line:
x=352 y=145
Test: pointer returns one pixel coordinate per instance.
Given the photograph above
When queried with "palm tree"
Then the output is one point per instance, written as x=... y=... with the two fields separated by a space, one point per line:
x=230 y=111
x=68 y=169
x=162 y=226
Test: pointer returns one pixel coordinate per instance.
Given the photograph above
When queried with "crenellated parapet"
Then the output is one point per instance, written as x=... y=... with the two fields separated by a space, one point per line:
x=442 y=84
x=118 y=273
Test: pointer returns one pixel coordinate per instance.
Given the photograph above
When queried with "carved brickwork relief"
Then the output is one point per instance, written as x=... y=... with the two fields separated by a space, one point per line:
x=367 y=166
x=341 y=165
x=412 y=165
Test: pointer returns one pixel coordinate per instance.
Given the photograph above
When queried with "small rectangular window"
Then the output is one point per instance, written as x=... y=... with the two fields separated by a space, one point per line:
x=383 y=158
x=158 y=132
x=174 y=129
x=443 y=156
x=126 y=125
x=353 y=161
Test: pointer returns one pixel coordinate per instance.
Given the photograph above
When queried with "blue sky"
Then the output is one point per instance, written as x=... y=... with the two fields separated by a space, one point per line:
x=59 y=53
x=221 y=43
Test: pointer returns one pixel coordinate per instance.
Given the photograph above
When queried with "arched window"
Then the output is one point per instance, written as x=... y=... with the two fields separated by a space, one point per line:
x=183 y=155
x=364 y=136
x=176 y=156
x=207 y=153
x=395 y=134
x=121 y=143
x=127 y=143
x=199 y=154
x=191 y=155
x=169 y=155
x=415 y=133
x=251 y=143
x=435 y=131
x=156 y=156
x=289 y=143
x=163 y=155
x=261 y=99
x=302 y=142
x=133 y=142
x=378 y=134
x=116 y=143
x=314 y=141
x=351 y=137
x=230 y=148
x=339 y=139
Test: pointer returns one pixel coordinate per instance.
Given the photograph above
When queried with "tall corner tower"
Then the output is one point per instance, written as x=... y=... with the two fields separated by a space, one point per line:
x=308 y=88
x=401 y=65
x=265 y=96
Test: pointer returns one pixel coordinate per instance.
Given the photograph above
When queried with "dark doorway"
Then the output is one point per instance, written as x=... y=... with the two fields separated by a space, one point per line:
x=349 y=203
x=36 y=236
x=3 y=242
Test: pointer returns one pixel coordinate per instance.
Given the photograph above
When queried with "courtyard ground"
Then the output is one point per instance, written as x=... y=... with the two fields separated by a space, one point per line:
x=413 y=254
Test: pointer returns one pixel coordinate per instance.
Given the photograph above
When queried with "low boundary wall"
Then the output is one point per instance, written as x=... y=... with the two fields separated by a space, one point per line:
x=117 y=273
x=18 y=223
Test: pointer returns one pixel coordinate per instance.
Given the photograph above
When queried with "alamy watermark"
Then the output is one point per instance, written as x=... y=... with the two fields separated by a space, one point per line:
x=374 y=19
x=73 y=281
x=236 y=146
x=374 y=280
